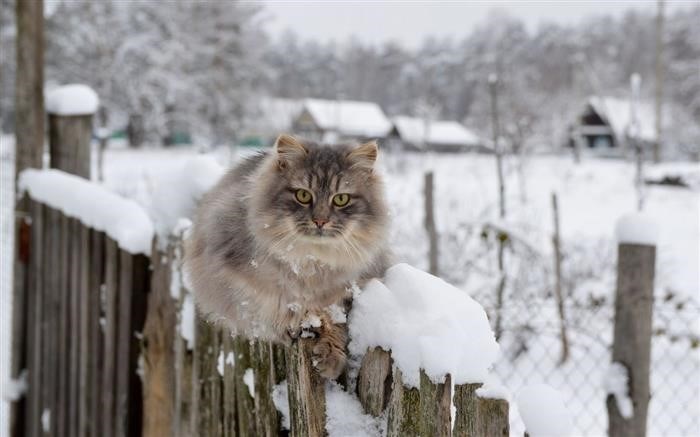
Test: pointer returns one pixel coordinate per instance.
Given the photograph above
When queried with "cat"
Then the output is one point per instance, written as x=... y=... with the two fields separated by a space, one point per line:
x=286 y=235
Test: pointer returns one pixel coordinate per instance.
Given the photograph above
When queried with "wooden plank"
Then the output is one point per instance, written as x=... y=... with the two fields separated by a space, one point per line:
x=266 y=420
x=110 y=334
x=210 y=381
x=465 y=402
x=95 y=349
x=34 y=320
x=306 y=390
x=159 y=354
x=435 y=405
x=229 y=394
x=61 y=411
x=123 y=344
x=374 y=381
x=492 y=417
x=84 y=310
x=19 y=346
x=245 y=405
x=634 y=300
x=404 y=409
x=69 y=143
x=50 y=322
x=74 y=317
x=141 y=275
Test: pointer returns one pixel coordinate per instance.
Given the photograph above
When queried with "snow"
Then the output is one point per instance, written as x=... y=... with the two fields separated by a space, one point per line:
x=74 y=99
x=351 y=118
x=280 y=398
x=637 y=228
x=543 y=411
x=14 y=389
x=439 y=132
x=220 y=363
x=616 y=383
x=425 y=323
x=187 y=320
x=46 y=420
x=493 y=388
x=176 y=194
x=344 y=415
x=249 y=380
x=121 y=219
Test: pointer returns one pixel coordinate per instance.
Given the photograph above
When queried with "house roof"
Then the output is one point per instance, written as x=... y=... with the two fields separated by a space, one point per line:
x=348 y=117
x=440 y=132
x=617 y=113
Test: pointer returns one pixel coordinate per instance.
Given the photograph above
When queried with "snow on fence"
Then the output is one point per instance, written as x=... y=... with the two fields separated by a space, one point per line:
x=114 y=348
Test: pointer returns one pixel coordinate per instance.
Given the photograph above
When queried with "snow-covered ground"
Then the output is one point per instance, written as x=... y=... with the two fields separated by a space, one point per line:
x=592 y=196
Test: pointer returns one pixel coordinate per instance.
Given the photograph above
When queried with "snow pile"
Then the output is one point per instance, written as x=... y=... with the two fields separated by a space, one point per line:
x=425 y=323
x=176 y=194
x=249 y=380
x=14 y=389
x=121 y=219
x=280 y=398
x=636 y=228
x=543 y=411
x=493 y=388
x=75 y=99
x=344 y=416
x=617 y=384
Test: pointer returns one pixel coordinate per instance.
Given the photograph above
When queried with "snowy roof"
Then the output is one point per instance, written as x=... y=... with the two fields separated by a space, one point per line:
x=75 y=99
x=617 y=113
x=440 y=132
x=348 y=117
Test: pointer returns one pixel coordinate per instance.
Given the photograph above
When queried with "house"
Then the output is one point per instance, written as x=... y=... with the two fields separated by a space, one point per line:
x=606 y=123
x=338 y=120
x=436 y=135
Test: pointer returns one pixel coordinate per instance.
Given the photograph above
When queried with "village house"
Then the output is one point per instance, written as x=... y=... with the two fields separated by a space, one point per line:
x=607 y=125
x=435 y=135
x=338 y=120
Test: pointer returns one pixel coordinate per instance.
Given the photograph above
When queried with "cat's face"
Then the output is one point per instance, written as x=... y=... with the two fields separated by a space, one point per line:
x=317 y=195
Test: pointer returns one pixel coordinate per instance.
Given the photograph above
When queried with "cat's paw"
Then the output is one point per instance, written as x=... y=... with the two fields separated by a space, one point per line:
x=328 y=358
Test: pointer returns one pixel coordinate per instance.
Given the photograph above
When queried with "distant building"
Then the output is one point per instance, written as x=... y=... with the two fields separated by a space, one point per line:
x=275 y=116
x=338 y=120
x=606 y=123
x=435 y=135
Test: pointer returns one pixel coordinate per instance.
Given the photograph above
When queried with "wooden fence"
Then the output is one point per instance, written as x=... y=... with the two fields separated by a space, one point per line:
x=108 y=353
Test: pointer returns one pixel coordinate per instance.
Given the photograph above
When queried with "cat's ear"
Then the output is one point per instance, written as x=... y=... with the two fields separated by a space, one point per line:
x=289 y=149
x=364 y=155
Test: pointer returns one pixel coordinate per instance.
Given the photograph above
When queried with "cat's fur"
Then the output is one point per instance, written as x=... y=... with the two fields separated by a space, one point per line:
x=257 y=260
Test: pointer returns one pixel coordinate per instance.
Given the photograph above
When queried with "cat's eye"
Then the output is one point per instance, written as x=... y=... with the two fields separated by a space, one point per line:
x=341 y=199
x=303 y=196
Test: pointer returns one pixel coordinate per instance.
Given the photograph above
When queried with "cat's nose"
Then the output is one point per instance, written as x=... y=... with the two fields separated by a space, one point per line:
x=320 y=222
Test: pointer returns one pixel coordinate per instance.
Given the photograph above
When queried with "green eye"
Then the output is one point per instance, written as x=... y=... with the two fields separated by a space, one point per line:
x=341 y=199
x=303 y=196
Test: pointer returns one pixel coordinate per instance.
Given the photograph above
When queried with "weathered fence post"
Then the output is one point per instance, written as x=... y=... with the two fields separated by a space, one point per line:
x=70 y=109
x=158 y=351
x=634 y=298
x=558 y=292
x=374 y=381
x=465 y=401
x=435 y=404
x=430 y=223
x=307 y=396
x=492 y=417
x=403 y=417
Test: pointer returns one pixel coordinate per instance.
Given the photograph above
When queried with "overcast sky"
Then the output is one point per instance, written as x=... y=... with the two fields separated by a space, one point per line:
x=408 y=22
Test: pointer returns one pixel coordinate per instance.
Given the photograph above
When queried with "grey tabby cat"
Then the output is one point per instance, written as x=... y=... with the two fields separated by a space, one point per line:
x=285 y=235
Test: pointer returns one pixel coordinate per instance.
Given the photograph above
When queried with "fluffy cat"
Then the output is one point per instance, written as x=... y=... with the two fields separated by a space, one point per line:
x=286 y=234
